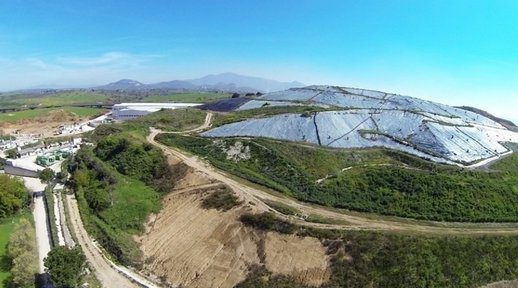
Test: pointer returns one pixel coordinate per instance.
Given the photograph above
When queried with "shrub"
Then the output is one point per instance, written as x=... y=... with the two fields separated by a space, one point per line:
x=46 y=175
x=13 y=195
x=22 y=251
x=268 y=222
x=65 y=266
x=222 y=199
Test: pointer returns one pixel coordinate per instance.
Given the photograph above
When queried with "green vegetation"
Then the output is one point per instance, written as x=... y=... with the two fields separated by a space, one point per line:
x=235 y=116
x=282 y=208
x=63 y=98
x=120 y=181
x=32 y=114
x=222 y=199
x=139 y=161
x=260 y=277
x=46 y=175
x=65 y=266
x=113 y=206
x=267 y=221
x=49 y=207
x=13 y=196
x=6 y=137
x=371 y=259
x=7 y=228
x=166 y=119
x=369 y=180
x=22 y=253
x=194 y=97
x=66 y=98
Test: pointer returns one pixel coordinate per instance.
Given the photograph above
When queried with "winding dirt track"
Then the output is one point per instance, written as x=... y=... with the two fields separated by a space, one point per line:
x=351 y=220
x=103 y=271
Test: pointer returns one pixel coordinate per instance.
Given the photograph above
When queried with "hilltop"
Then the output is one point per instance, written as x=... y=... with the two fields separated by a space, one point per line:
x=227 y=82
x=360 y=118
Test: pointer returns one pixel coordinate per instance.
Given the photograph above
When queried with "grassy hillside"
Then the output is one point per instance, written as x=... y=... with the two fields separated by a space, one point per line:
x=78 y=97
x=32 y=114
x=119 y=182
x=370 y=259
x=369 y=180
x=166 y=120
x=194 y=97
x=113 y=206
x=63 y=98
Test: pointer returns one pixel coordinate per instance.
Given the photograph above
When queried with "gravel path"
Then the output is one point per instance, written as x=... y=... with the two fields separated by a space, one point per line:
x=102 y=269
x=40 y=219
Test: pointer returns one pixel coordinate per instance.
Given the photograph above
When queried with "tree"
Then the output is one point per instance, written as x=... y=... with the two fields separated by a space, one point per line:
x=11 y=153
x=22 y=252
x=13 y=195
x=61 y=177
x=47 y=175
x=65 y=266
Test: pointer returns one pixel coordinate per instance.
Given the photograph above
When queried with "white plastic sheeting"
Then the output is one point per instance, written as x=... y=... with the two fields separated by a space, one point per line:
x=372 y=118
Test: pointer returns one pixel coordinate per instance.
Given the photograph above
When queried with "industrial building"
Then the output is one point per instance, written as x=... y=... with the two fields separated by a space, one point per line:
x=126 y=111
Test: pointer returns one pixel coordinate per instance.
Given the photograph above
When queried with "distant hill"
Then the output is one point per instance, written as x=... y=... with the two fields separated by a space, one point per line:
x=229 y=82
x=123 y=84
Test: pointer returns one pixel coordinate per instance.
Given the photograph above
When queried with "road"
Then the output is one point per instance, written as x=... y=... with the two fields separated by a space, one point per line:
x=40 y=219
x=102 y=268
x=353 y=221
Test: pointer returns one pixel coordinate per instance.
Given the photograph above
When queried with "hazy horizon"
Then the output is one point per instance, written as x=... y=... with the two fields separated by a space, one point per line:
x=457 y=53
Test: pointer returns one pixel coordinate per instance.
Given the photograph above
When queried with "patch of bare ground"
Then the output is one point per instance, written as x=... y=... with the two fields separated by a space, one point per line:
x=503 y=284
x=188 y=245
x=304 y=258
x=44 y=125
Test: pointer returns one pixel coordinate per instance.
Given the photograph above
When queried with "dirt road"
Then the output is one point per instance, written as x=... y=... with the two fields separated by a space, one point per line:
x=354 y=221
x=40 y=219
x=102 y=269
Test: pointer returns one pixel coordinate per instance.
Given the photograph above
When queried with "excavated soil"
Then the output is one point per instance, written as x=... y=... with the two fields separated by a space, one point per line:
x=188 y=245
x=44 y=125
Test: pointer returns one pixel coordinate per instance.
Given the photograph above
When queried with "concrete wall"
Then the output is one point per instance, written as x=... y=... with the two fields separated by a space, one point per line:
x=17 y=171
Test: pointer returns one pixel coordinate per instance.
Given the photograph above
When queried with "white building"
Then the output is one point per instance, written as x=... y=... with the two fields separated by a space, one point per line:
x=126 y=111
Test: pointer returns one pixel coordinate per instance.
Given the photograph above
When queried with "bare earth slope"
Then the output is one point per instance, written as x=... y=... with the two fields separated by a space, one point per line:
x=196 y=247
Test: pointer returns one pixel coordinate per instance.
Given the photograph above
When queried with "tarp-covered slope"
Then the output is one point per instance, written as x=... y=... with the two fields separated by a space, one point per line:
x=365 y=118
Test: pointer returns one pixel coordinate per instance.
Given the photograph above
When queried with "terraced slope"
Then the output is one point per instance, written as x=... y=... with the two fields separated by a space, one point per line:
x=366 y=118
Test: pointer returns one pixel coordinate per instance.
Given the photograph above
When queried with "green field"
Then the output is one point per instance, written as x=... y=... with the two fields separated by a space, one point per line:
x=32 y=114
x=374 y=180
x=194 y=97
x=6 y=228
x=64 y=98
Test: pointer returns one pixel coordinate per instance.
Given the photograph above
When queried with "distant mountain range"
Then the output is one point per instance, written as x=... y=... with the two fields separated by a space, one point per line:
x=230 y=82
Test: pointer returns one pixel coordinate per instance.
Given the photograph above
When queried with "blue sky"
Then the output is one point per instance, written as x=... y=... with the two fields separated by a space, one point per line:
x=455 y=52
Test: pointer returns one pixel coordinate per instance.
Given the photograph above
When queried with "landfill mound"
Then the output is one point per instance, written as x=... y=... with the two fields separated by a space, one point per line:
x=366 y=118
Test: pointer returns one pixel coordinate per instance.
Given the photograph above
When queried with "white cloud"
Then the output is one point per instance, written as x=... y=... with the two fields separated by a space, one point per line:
x=71 y=71
x=110 y=58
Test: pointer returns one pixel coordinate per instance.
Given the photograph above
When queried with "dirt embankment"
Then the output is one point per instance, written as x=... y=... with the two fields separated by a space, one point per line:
x=188 y=245
x=44 y=125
